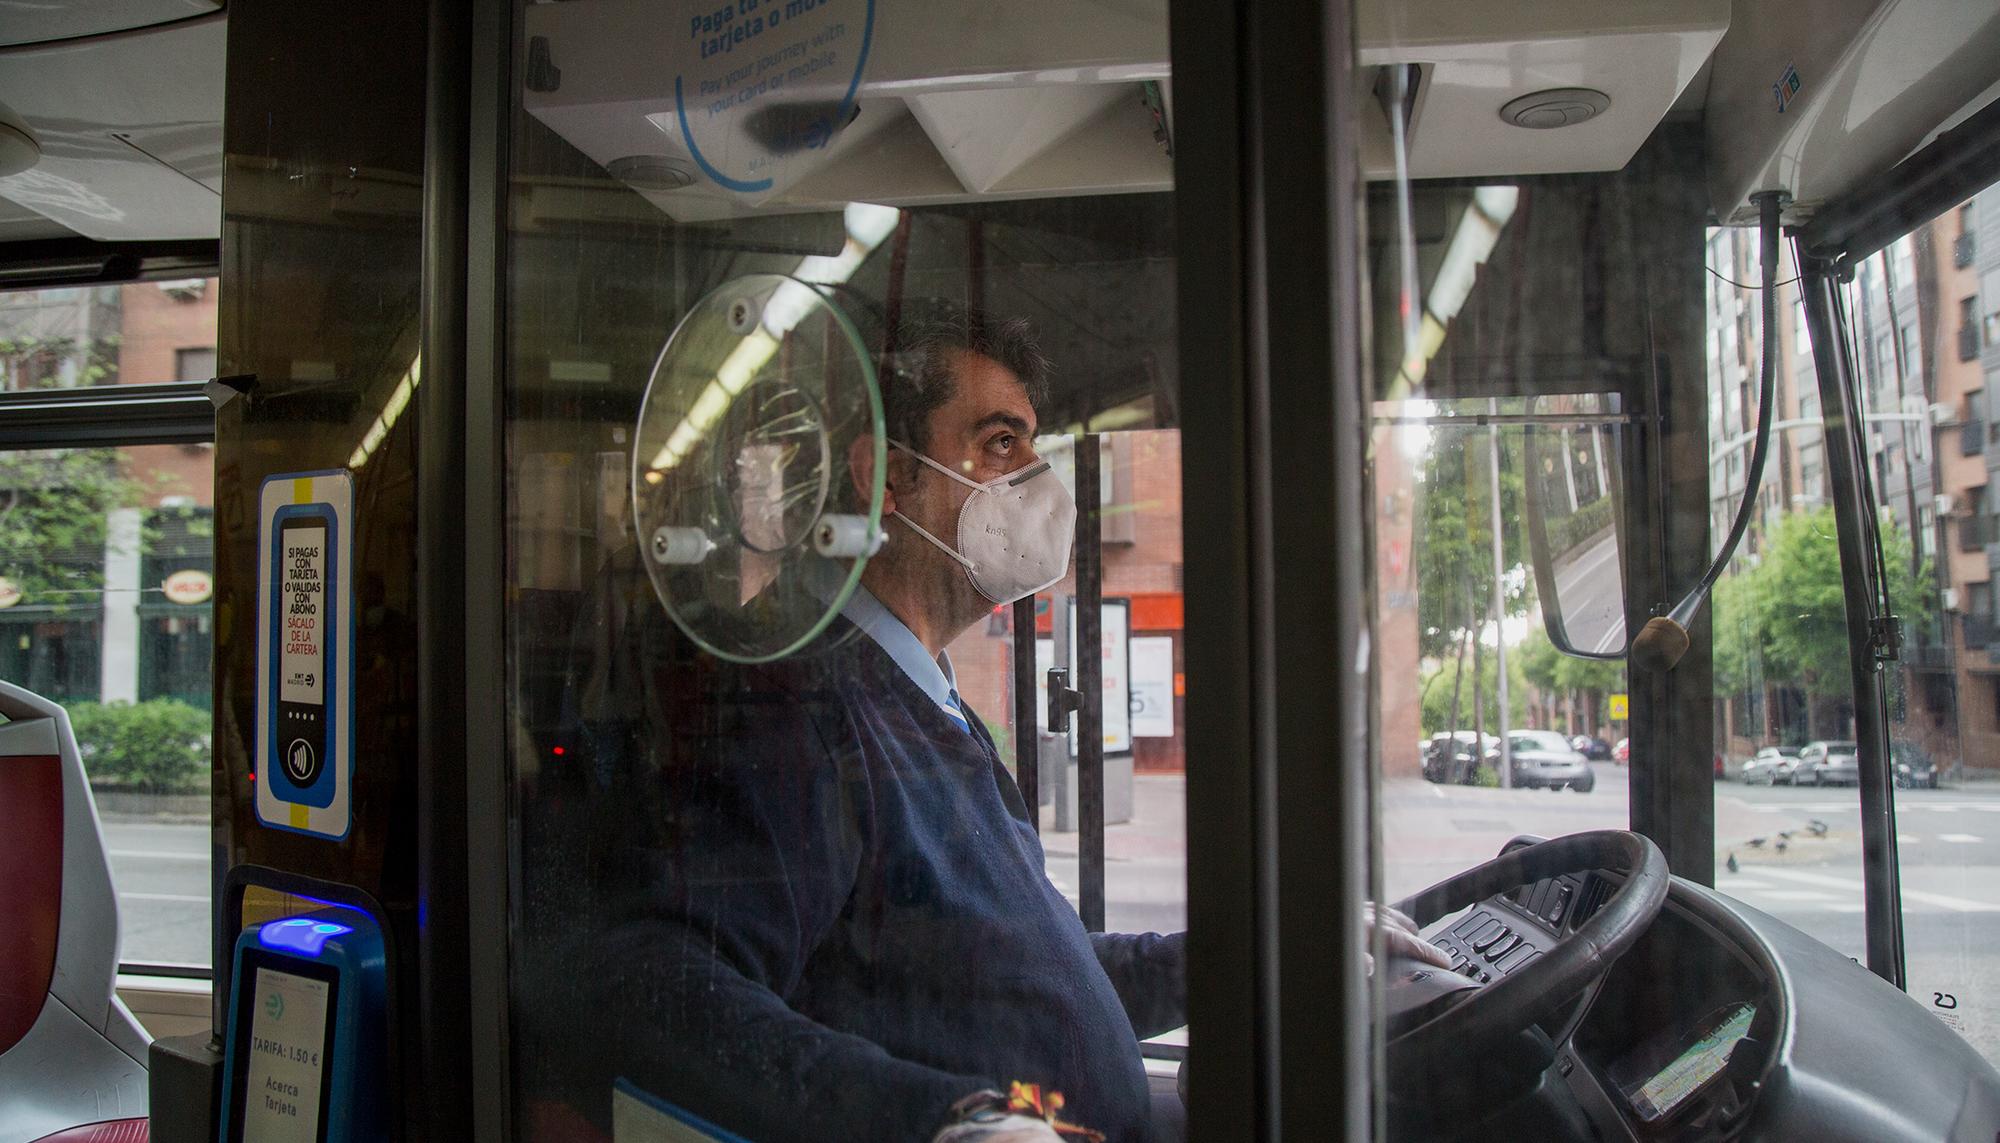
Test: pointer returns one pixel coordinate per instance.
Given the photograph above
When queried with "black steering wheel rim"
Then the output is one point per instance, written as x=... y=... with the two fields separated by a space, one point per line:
x=1539 y=990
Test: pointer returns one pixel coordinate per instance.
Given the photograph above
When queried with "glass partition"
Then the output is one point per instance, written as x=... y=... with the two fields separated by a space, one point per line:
x=841 y=447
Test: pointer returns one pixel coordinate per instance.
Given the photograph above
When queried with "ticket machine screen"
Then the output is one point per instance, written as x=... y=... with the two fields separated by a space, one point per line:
x=284 y=1080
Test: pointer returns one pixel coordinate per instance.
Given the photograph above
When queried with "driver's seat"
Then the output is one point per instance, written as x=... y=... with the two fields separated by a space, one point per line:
x=71 y=1054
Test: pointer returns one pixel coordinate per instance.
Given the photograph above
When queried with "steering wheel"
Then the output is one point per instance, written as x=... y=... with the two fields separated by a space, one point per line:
x=1539 y=990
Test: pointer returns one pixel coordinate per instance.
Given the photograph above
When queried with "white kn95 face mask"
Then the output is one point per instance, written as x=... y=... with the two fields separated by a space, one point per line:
x=1014 y=533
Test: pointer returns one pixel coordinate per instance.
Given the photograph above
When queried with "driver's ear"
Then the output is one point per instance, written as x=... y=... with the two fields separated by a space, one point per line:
x=861 y=467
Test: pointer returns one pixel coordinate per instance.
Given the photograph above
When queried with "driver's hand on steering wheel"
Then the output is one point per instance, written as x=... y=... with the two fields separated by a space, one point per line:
x=1399 y=936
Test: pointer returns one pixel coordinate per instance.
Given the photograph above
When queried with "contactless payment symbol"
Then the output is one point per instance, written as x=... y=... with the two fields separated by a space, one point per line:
x=305 y=652
x=274 y=1005
x=301 y=761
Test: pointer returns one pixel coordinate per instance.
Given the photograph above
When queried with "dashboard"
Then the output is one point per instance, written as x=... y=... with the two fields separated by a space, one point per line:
x=1721 y=1022
x=1674 y=1040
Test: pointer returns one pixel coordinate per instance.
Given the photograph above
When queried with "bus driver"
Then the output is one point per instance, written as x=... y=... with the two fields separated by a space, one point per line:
x=851 y=935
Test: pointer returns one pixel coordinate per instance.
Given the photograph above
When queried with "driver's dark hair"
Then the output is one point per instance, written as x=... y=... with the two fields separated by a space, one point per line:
x=915 y=363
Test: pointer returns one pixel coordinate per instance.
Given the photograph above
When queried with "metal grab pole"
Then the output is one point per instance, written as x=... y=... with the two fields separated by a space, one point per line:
x=1500 y=608
x=1090 y=682
x=1027 y=736
x=1882 y=893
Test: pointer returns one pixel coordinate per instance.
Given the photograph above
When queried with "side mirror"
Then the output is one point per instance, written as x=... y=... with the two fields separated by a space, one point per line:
x=1573 y=450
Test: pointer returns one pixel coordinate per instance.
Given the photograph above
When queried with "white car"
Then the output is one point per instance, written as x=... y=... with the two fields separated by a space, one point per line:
x=1772 y=765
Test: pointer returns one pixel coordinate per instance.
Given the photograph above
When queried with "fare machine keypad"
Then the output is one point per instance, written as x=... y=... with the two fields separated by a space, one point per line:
x=307 y=1031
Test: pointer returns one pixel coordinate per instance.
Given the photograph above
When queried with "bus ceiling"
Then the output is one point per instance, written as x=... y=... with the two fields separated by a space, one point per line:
x=120 y=106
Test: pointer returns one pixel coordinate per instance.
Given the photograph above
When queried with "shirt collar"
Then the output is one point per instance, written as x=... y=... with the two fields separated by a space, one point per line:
x=933 y=676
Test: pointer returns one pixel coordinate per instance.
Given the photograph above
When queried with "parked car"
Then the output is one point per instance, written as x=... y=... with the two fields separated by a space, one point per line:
x=1543 y=758
x=1910 y=766
x=1828 y=763
x=1622 y=753
x=1772 y=766
x=1451 y=758
x=1595 y=749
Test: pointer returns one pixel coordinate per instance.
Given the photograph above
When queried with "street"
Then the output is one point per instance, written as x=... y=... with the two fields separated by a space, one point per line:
x=161 y=870
x=1949 y=842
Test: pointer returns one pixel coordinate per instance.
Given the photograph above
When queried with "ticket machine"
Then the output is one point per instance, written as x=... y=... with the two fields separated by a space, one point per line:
x=306 y=1031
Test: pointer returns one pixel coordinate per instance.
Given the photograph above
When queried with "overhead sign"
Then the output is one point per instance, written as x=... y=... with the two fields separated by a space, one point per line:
x=305 y=653
x=767 y=83
x=188 y=587
x=1621 y=708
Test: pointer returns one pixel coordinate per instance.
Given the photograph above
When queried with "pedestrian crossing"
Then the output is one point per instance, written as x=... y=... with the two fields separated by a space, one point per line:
x=1848 y=805
x=1785 y=891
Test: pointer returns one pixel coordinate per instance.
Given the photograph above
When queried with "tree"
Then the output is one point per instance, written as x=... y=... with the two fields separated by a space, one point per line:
x=1454 y=536
x=1436 y=687
x=1584 y=681
x=55 y=507
x=32 y=362
x=1784 y=621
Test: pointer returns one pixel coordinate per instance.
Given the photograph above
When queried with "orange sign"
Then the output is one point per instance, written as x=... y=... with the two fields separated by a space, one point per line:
x=190 y=586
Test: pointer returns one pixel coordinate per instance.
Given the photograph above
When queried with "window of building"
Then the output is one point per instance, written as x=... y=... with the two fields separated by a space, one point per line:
x=1912 y=353
x=197 y=364
x=1968 y=328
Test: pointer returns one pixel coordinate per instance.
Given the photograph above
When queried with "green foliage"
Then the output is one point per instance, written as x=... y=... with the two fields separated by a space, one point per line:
x=1784 y=621
x=28 y=361
x=1485 y=776
x=1567 y=533
x=1435 y=702
x=1554 y=673
x=156 y=747
x=1454 y=535
x=54 y=512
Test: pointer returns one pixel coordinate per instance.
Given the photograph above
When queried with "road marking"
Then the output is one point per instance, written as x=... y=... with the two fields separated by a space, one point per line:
x=175 y=898
x=1959 y=838
x=1844 y=907
x=1907 y=839
x=1793 y=894
x=156 y=855
x=1941 y=900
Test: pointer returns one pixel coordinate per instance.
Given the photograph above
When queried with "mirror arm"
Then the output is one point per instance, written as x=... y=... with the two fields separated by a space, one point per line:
x=1664 y=639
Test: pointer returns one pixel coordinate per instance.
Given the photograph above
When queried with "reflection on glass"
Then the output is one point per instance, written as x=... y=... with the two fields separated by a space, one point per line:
x=1787 y=831
x=804 y=896
x=1461 y=602
x=1923 y=316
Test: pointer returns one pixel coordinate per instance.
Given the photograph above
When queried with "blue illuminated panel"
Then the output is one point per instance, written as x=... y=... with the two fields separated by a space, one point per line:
x=300 y=935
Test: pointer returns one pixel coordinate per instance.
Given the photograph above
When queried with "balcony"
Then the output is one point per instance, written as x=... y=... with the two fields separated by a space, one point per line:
x=1963 y=251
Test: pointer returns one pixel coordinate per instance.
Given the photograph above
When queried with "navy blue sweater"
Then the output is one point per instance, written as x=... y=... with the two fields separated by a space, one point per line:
x=845 y=924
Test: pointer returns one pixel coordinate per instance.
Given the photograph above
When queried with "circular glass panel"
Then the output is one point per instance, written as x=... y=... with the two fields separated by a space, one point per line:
x=751 y=524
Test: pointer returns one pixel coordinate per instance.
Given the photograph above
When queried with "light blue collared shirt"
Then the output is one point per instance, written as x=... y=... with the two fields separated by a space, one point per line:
x=933 y=676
